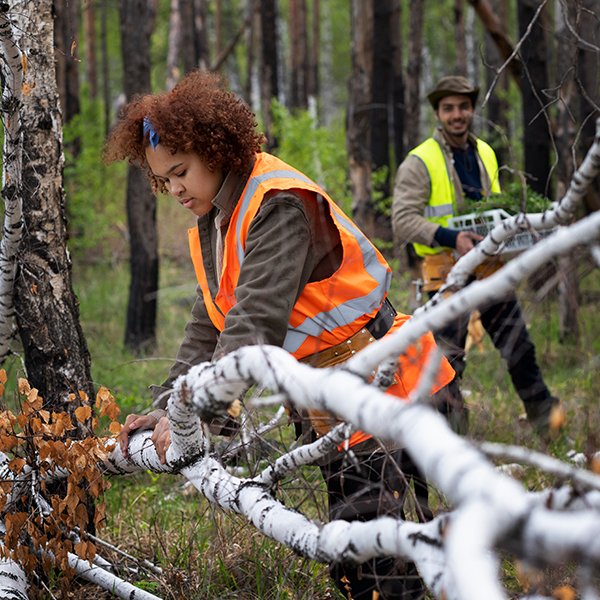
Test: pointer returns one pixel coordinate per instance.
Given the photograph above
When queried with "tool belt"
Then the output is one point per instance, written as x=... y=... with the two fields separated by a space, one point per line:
x=375 y=329
x=435 y=269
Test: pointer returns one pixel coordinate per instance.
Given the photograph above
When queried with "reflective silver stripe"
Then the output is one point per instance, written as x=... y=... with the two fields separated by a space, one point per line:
x=344 y=314
x=441 y=210
x=348 y=311
x=250 y=191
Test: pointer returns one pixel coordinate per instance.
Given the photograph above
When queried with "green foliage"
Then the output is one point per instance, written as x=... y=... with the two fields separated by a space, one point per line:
x=318 y=152
x=95 y=192
x=515 y=198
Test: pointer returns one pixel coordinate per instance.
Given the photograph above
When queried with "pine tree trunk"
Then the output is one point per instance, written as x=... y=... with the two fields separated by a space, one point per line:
x=379 y=114
x=104 y=61
x=89 y=27
x=299 y=55
x=536 y=135
x=174 y=43
x=460 y=38
x=140 y=331
x=497 y=106
x=200 y=35
x=269 y=84
x=252 y=7
x=358 y=133
x=56 y=355
x=566 y=132
x=187 y=49
x=413 y=73
x=398 y=105
x=313 y=67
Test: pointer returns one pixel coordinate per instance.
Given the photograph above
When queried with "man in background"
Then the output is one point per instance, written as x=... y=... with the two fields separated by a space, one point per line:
x=436 y=181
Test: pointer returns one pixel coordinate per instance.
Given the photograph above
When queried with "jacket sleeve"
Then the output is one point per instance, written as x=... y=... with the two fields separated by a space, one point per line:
x=411 y=194
x=198 y=346
x=278 y=262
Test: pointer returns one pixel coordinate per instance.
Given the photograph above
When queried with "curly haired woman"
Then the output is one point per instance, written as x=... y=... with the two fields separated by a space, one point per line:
x=277 y=263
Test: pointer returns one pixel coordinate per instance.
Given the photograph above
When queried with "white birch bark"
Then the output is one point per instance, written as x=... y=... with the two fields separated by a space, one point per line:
x=454 y=553
x=13 y=62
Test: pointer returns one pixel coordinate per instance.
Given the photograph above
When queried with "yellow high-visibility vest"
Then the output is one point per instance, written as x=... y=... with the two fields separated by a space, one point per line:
x=442 y=205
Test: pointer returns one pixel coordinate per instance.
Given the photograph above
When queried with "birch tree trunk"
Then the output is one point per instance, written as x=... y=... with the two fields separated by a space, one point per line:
x=56 y=355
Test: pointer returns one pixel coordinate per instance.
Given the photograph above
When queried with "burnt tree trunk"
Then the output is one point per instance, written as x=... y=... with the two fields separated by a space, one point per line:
x=413 y=72
x=89 y=28
x=269 y=83
x=460 y=38
x=534 y=80
x=299 y=55
x=104 y=63
x=497 y=107
x=140 y=330
x=187 y=49
x=174 y=45
x=47 y=311
x=397 y=91
x=379 y=114
x=313 y=57
x=200 y=34
x=358 y=138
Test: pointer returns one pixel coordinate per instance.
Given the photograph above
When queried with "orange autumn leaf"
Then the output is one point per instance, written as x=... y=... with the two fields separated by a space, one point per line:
x=115 y=427
x=24 y=63
x=83 y=413
x=17 y=464
x=23 y=386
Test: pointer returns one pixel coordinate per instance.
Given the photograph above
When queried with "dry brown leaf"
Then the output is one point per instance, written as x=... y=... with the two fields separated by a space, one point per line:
x=24 y=63
x=235 y=408
x=115 y=427
x=83 y=413
x=17 y=464
x=23 y=386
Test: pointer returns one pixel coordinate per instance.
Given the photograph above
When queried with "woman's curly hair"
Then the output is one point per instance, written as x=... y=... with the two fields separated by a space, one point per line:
x=198 y=115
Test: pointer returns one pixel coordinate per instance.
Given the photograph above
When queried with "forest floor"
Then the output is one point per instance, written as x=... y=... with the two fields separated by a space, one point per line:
x=205 y=553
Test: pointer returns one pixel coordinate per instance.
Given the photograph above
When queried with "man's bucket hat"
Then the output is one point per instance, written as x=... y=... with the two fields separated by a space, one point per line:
x=451 y=85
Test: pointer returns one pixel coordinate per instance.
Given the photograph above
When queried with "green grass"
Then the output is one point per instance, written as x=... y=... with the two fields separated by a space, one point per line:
x=205 y=553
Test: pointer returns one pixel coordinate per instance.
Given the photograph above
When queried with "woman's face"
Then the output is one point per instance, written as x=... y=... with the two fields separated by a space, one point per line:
x=186 y=177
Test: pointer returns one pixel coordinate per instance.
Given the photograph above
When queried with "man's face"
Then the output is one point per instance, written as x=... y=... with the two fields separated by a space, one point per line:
x=455 y=114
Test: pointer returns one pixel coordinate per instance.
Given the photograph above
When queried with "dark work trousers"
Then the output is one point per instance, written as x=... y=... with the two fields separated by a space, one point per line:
x=504 y=323
x=378 y=489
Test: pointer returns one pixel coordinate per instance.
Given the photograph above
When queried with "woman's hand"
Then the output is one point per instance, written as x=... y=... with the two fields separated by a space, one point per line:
x=135 y=423
x=162 y=439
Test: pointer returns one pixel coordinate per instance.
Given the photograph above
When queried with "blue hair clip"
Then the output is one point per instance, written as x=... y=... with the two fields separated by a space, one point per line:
x=154 y=139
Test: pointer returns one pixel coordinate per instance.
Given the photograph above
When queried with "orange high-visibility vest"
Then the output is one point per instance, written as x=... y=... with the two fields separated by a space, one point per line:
x=327 y=312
